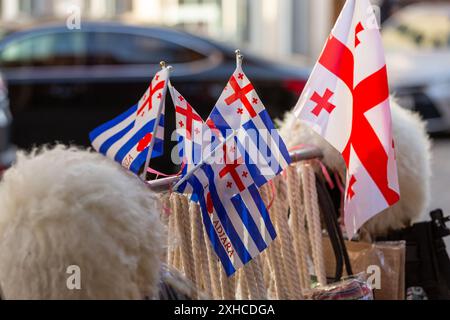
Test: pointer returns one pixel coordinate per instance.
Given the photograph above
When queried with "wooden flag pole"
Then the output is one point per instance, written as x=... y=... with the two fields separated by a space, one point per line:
x=155 y=129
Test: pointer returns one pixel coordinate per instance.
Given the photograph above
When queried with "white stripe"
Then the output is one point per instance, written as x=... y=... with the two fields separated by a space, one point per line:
x=235 y=260
x=257 y=159
x=268 y=139
x=233 y=216
x=112 y=131
x=257 y=217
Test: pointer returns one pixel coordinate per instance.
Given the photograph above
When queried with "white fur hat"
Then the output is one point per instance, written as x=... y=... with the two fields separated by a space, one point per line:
x=65 y=207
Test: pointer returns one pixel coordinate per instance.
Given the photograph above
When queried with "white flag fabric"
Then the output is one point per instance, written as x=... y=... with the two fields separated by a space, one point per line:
x=346 y=100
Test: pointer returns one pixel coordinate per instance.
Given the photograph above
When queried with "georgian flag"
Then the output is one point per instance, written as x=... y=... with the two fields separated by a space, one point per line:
x=239 y=107
x=126 y=138
x=346 y=100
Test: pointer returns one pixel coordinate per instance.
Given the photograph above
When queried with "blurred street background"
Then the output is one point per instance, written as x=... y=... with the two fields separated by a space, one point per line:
x=67 y=72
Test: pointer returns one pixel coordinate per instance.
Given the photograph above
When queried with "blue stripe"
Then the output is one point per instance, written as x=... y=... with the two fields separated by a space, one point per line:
x=257 y=177
x=263 y=149
x=215 y=241
x=180 y=145
x=197 y=153
x=262 y=210
x=224 y=219
x=248 y=221
x=139 y=161
x=112 y=123
x=142 y=157
x=113 y=139
x=275 y=135
x=125 y=149
x=220 y=122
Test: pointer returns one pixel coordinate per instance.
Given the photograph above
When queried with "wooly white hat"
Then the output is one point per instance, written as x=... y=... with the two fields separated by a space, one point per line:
x=413 y=161
x=64 y=210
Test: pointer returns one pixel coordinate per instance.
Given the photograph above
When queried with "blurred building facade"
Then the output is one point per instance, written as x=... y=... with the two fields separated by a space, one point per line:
x=276 y=28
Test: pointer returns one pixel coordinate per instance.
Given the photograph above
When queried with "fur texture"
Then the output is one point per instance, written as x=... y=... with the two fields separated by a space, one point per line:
x=413 y=161
x=65 y=206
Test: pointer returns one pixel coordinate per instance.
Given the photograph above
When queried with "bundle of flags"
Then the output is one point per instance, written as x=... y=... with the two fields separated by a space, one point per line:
x=237 y=150
x=226 y=159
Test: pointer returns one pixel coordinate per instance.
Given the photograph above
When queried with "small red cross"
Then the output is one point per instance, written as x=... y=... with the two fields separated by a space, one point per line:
x=197 y=131
x=229 y=184
x=148 y=99
x=350 y=191
x=181 y=124
x=191 y=116
x=322 y=102
x=245 y=174
x=180 y=98
x=358 y=29
x=241 y=76
x=255 y=101
x=157 y=77
x=240 y=111
x=240 y=94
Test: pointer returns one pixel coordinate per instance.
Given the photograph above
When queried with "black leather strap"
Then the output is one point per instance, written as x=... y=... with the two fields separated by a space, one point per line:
x=330 y=214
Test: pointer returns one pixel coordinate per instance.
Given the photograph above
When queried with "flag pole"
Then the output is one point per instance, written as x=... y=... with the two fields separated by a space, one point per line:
x=155 y=129
x=190 y=173
x=239 y=58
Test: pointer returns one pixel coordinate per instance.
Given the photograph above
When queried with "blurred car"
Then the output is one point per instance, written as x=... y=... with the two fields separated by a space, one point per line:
x=63 y=83
x=417 y=43
x=7 y=150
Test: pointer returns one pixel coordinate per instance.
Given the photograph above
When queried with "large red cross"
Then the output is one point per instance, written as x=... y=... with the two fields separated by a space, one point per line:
x=351 y=183
x=191 y=116
x=370 y=92
x=240 y=94
x=322 y=102
x=152 y=92
x=231 y=169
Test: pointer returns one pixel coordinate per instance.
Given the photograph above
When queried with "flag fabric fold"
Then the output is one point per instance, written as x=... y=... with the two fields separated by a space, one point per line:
x=346 y=100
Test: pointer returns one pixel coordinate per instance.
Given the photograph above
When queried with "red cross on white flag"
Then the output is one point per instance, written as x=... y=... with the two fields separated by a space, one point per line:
x=346 y=100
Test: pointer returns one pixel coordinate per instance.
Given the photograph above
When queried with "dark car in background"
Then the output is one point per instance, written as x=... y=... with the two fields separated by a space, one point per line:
x=63 y=83
x=7 y=150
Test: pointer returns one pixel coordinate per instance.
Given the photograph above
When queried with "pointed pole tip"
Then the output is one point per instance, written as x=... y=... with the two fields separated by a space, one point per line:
x=239 y=57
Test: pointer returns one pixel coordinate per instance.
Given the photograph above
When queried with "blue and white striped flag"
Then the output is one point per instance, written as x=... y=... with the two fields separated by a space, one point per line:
x=238 y=225
x=126 y=138
x=240 y=108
